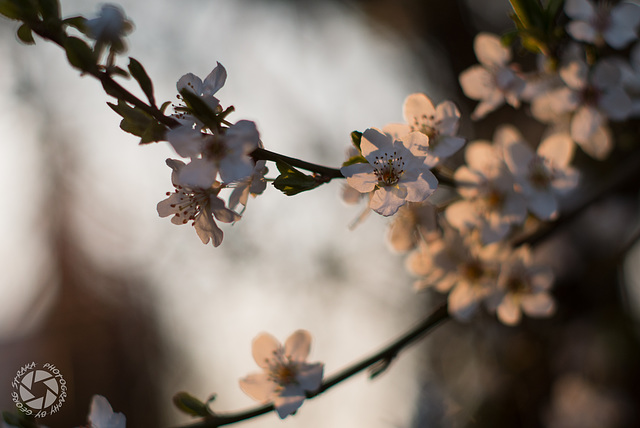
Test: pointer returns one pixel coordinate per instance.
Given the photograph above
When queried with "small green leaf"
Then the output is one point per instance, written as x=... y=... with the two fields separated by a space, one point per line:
x=291 y=181
x=355 y=159
x=134 y=120
x=138 y=72
x=9 y=9
x=79 y=54
x=190 y=405
x=356 y=139
x=25 y=35
x=155 y=132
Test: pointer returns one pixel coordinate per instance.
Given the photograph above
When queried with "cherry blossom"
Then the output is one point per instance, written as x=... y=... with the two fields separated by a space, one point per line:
x=522 y=287
x=396 y=172
x=602 y=22
x=110 y=26
x=439 y=123
x=196 y=204
x=286 y=376
x=493 y=82
x=543 y=175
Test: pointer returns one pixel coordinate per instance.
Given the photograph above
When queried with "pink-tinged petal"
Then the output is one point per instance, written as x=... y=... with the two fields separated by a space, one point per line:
x=538 y=305
x=606 y=74
x=461 y=215
x=221 y=212
x=360 y=176
x=487 y=106
x=494 y=230
x=468 y=182
x=482 y=156
x=387 y=200
x=187 y=142
x=310 y=376
x=259 y=387
x=447 y=117
x=235 y=168
x=625 y=17
x=616 y=103
x=446 y=146
x=165 y=208
x=419 y=185
x=198 y=173
x=243 y=136
x=543 y=205
x=417 y=143
x=397 y=130
x=490 y=50
x=416 y=107
x=215 y=80
x=463 y=301
x=477 y=82
x=263 y=348
x=298 y=345
x=579 y=9
x=514 y=210
x=554 y=105
x=575 y=74
x=287 y=404
x=102 y=415
x=190 y=82
x=373 y=140
x=600 y=144
x=542 y=278
x=558 y=148
x=582 y=31
x=585 y=122
x=509 y=311
x=517 y=156
x=207 y=229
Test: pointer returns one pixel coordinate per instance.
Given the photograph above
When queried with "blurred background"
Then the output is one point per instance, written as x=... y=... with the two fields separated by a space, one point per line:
x=131 y=307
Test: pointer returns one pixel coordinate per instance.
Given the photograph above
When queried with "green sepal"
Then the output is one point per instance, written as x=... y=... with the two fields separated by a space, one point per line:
x=356 y=139
x=190 y=405
x=11 y=10
x=138 y=72
x=200 y=109
x=291 y=181
x=79 y=54
x=137 y=122
x=355 y=159
x=25 y=34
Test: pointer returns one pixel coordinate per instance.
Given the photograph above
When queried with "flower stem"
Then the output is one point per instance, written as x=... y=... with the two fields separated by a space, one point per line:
x=384 y=356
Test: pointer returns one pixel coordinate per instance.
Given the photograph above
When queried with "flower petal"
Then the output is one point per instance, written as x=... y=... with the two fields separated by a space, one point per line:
x=310 y=376
x=360 y=176
x=298 y=345
x=102 y=415
x=263 y=348
x=490 y=51
x=259 y=387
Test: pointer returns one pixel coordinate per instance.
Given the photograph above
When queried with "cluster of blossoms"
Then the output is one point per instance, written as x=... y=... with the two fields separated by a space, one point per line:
x=219 y=158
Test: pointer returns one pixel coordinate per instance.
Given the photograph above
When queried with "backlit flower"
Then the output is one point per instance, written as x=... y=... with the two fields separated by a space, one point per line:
x=286 y=375
x=396 y=171
x=102 y=415
x=602 y=22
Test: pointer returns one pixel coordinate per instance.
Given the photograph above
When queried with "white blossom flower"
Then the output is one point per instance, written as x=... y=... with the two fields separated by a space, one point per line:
x=439 y=123
x=196 y=204
x=204 y=89
x=253 y=185
x=522 y=287
x=102 y=415
x=286 y=375
x=591 y=97
x=460 y=265
x=543 y=175
x=490 y=203
x=415 y=221
x=493 y=82
x=110 y=27
x=602 y=22
x=396 y=171
x=225 y=154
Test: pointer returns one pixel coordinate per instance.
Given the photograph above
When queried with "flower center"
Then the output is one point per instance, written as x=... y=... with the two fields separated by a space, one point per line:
x=518 y=285
x=216 y=148
x=539 y=174
x=472 y=270
x=190 y=203
x=388 y=168
x=282 y=370
x=426 y=125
